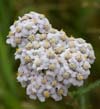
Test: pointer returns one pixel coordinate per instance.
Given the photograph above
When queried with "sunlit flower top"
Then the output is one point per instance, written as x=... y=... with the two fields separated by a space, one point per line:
x=50 y=60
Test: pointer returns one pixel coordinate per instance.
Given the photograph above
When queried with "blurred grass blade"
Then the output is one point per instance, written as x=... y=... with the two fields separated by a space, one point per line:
x=9 y=100
x=6 y=67
x=4 y=59
x=4 y=18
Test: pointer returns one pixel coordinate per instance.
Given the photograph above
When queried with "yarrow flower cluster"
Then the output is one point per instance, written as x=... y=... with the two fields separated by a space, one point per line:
x=50 y=60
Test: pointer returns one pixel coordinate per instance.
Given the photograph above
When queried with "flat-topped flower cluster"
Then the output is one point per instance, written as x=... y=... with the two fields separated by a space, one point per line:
x=50 y=60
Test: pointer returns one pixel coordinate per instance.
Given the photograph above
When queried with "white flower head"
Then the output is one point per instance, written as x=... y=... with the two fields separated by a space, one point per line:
x=50 y=60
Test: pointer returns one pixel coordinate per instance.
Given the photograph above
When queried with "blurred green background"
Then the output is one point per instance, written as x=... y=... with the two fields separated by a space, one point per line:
x=80 y=18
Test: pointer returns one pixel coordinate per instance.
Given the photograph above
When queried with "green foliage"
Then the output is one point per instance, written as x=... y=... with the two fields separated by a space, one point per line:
x=79 y=18
x=86 y=89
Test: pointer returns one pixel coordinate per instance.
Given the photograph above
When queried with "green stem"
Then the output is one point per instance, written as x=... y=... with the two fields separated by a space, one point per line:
x=82 y=102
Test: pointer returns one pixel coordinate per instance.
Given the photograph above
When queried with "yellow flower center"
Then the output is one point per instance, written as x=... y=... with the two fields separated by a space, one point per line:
x=52 y=66
x=46 y=94
x=60 y=91
x=80 y=77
